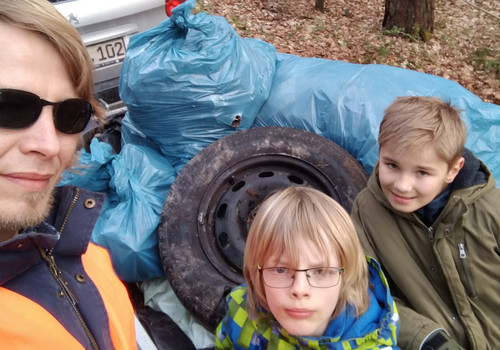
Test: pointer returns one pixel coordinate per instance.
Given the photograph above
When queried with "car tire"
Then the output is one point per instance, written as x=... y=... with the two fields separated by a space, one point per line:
x=210 y=206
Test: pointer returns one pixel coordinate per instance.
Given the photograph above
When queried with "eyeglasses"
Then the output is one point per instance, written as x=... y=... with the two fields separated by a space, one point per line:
x=20 y=109
x=318 y=277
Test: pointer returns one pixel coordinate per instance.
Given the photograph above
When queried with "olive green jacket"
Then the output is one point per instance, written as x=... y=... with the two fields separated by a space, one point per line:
x=446 y=275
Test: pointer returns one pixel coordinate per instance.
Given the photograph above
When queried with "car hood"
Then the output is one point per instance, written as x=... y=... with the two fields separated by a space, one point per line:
x=88 y=12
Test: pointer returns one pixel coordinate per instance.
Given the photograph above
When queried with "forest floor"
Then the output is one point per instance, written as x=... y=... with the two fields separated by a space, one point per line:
x=465 y=45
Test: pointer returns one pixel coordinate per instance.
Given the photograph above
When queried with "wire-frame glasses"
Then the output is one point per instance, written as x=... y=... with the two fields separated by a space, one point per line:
x=318 y=277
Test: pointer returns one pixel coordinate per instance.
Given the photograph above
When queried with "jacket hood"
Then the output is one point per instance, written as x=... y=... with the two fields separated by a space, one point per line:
x=474 y=172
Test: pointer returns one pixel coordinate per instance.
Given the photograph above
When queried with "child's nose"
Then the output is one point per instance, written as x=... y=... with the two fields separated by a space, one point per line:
x=300 y=287
x=403 y=183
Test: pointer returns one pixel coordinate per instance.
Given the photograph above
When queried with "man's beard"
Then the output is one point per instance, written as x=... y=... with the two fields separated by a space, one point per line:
x=39 y=207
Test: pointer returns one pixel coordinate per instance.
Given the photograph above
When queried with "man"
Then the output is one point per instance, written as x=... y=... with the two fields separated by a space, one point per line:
x=57 y=290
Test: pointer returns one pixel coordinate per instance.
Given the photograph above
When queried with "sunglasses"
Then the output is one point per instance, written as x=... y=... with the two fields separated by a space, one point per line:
x=20 y=109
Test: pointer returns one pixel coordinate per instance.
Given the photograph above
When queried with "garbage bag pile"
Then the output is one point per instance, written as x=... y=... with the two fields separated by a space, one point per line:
x=192 y=80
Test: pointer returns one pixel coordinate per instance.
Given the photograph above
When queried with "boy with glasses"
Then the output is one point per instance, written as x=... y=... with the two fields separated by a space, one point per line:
x=309 y=284
x=431 y=215
x=57 y=290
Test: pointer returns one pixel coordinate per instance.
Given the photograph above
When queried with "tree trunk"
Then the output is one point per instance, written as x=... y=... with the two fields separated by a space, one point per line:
x=414 y=17
x=320 y=5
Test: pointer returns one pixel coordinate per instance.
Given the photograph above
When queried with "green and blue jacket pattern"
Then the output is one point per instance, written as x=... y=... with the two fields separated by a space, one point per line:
x=376 y=329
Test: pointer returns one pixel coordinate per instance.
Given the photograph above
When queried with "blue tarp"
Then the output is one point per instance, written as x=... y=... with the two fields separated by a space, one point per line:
x=344 y=102
x=192 y=80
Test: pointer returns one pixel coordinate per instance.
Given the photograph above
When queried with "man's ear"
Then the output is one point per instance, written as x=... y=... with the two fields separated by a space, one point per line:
x=454 y=169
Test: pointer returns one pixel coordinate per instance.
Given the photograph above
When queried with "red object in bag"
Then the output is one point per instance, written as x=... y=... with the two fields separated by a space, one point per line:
x=170 y=4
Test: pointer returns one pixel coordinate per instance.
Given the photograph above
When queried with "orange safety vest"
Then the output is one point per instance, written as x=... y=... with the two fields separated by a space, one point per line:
x=25 y=324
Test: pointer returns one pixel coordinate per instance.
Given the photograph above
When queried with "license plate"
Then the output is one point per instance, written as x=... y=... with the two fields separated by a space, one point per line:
x=107 y=52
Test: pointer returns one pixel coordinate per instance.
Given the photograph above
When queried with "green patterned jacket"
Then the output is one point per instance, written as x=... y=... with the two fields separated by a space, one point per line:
x=376 y=329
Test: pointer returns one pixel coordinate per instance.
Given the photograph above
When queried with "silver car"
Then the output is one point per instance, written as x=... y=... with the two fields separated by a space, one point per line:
x=105 y=27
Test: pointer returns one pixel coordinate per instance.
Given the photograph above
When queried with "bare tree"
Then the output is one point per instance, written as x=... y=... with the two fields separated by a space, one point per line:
x=414 y=17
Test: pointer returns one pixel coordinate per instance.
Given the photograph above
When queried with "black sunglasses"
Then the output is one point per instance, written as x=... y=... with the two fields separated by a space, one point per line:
x=20 y=109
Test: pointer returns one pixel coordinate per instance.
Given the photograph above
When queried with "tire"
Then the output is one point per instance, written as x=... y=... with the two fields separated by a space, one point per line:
x=211 y=203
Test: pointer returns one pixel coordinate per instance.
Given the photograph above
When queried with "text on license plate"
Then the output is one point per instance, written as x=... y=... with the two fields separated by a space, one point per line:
x=107 y=52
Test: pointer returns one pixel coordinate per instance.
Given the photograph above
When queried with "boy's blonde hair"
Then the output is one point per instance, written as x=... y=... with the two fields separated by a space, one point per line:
x=42 y=18
x=295 y=214
x=413 y=122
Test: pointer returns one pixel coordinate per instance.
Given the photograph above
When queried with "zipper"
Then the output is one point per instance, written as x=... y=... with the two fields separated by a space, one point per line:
x=468 y=274
x=66 y=216
x=56 y=272
x=70 y=209
x=461 y=251
x=430 y=234
x=68 y=292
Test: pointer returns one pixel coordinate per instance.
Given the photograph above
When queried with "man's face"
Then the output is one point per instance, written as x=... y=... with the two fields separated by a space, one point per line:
x=31 y=159
x=412 y=180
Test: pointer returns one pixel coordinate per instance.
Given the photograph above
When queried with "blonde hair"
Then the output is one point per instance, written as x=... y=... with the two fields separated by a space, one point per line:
x=412 y=122
x=283 y=221
x=41 y=17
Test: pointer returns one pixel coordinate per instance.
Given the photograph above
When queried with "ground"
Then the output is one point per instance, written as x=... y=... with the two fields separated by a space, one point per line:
x=465 y=45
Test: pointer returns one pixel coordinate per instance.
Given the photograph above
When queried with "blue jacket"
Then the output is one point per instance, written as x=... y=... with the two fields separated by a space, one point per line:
x=377 y=328
x=58 y=290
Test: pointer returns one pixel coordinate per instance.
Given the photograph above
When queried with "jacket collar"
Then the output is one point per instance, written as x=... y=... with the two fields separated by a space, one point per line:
x=71 y=213
x=473 y=173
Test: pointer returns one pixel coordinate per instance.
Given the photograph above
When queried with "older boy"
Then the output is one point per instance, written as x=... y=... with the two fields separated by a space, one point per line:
x=431 y=215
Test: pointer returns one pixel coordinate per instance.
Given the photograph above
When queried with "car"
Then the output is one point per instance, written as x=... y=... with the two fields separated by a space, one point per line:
x=105 y=27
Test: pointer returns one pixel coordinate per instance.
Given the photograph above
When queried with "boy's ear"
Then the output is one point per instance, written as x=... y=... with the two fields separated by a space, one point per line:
x=454 y=169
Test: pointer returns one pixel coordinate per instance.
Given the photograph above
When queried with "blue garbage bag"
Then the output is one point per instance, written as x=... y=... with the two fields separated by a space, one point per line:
x=192 y=80
x=345 y=102
x=92 y=171
x=136 y=182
